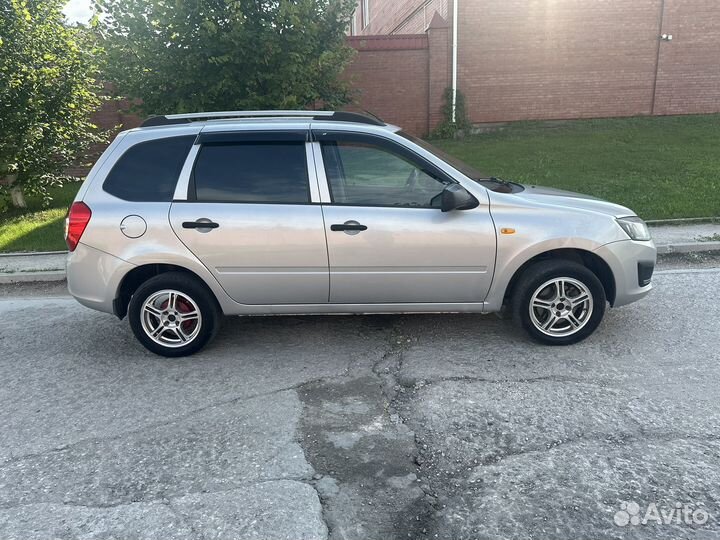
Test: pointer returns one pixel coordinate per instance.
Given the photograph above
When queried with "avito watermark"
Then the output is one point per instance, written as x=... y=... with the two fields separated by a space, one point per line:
x=631 y=514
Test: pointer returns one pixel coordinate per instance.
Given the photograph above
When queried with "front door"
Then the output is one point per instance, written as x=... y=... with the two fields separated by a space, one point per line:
x=388 y=240
x=252 y=221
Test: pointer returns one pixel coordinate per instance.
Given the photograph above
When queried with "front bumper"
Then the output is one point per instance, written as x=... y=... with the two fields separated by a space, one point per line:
x=632 y=263
x=93 y=276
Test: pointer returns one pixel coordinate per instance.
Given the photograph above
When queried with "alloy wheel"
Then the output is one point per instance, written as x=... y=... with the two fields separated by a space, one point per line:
x=561 y=307
x=171 y=318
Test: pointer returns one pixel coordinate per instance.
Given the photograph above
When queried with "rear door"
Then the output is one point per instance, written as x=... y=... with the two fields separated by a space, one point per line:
x=251 y=217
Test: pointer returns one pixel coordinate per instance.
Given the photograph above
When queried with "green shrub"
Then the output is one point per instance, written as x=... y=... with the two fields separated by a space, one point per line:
x=448 y=129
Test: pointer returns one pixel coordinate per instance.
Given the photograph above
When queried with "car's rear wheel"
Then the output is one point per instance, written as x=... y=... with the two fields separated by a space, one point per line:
x=173 y=314
x=559 y=302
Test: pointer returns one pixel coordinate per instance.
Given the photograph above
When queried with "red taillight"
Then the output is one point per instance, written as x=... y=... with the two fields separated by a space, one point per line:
x=77 y=219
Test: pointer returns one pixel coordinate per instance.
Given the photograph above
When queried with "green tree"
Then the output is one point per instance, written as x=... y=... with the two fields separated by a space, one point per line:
x=47 y=94
x=204 y=55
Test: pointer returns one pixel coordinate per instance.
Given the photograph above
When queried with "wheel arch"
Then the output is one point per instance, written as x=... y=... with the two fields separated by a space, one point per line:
x=590 y=260
x=140 y=274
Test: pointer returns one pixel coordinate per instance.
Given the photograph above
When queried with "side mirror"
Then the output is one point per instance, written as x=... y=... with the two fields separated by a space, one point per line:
x=456 y=197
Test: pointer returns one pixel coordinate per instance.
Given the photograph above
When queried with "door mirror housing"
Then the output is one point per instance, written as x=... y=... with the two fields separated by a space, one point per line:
x=456 y=197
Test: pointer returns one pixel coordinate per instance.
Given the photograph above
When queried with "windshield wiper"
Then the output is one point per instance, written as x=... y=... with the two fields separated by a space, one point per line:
x=503 y=186
x=500 y=181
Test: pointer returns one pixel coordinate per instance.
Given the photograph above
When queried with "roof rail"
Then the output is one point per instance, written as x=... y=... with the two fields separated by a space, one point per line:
x=332 y=116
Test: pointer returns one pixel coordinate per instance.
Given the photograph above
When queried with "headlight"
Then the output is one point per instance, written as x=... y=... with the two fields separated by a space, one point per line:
x=635 y=228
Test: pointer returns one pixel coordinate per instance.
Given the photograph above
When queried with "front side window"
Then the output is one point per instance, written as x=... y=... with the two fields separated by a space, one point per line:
x=148 y=171
x=252 y=172
x=363 y=174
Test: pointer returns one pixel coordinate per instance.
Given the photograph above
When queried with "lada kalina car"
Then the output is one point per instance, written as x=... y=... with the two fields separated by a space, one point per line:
x=195 y=216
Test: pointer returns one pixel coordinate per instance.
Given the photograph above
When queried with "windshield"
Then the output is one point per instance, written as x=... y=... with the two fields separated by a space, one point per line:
x=461 y=166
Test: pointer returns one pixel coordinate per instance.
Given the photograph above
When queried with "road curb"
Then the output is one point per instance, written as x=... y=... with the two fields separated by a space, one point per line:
x=32 y=253
x=682 y=221
x=689 y=247
x=32 y=277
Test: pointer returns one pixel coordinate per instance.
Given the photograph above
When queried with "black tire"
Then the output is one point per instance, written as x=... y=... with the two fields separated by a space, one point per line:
x=194 y=290
x=542 y=272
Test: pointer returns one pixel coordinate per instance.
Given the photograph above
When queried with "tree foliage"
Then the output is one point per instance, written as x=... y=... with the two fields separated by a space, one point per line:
x=200 y=55
x=47 y=93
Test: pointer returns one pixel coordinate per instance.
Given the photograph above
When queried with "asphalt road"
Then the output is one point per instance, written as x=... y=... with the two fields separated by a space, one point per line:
x=378 y=427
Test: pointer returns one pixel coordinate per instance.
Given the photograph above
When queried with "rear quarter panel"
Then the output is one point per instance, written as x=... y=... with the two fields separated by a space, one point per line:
x=159 y=244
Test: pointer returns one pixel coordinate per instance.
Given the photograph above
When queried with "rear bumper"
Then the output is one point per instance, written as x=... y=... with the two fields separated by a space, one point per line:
x=632 y=263
x=93 y=277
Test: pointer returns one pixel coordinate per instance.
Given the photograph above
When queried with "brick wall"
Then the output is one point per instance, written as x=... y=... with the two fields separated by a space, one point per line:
x=398 y=16
x=390 y=75
x=553 y=59
x=689 y=65
x=561 y=59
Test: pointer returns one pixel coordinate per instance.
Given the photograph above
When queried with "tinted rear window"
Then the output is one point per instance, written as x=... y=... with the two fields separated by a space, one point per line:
x=252 y=172
x=149 y=170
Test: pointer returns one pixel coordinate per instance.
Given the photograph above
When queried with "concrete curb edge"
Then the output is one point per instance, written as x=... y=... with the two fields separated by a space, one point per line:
x=31 y=277
x=32 y=253
x=690 y=247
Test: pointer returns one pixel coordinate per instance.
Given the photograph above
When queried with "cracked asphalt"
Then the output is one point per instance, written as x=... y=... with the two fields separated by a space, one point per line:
x=374 y=427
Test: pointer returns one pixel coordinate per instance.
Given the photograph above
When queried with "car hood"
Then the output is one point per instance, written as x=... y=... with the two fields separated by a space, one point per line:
x=559 y=197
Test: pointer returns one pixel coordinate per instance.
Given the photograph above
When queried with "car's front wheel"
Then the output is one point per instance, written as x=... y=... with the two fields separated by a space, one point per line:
x=559 y=302
x=173 y=314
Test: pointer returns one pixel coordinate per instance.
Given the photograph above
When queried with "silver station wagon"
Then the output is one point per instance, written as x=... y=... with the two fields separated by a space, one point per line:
x=304 y=212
